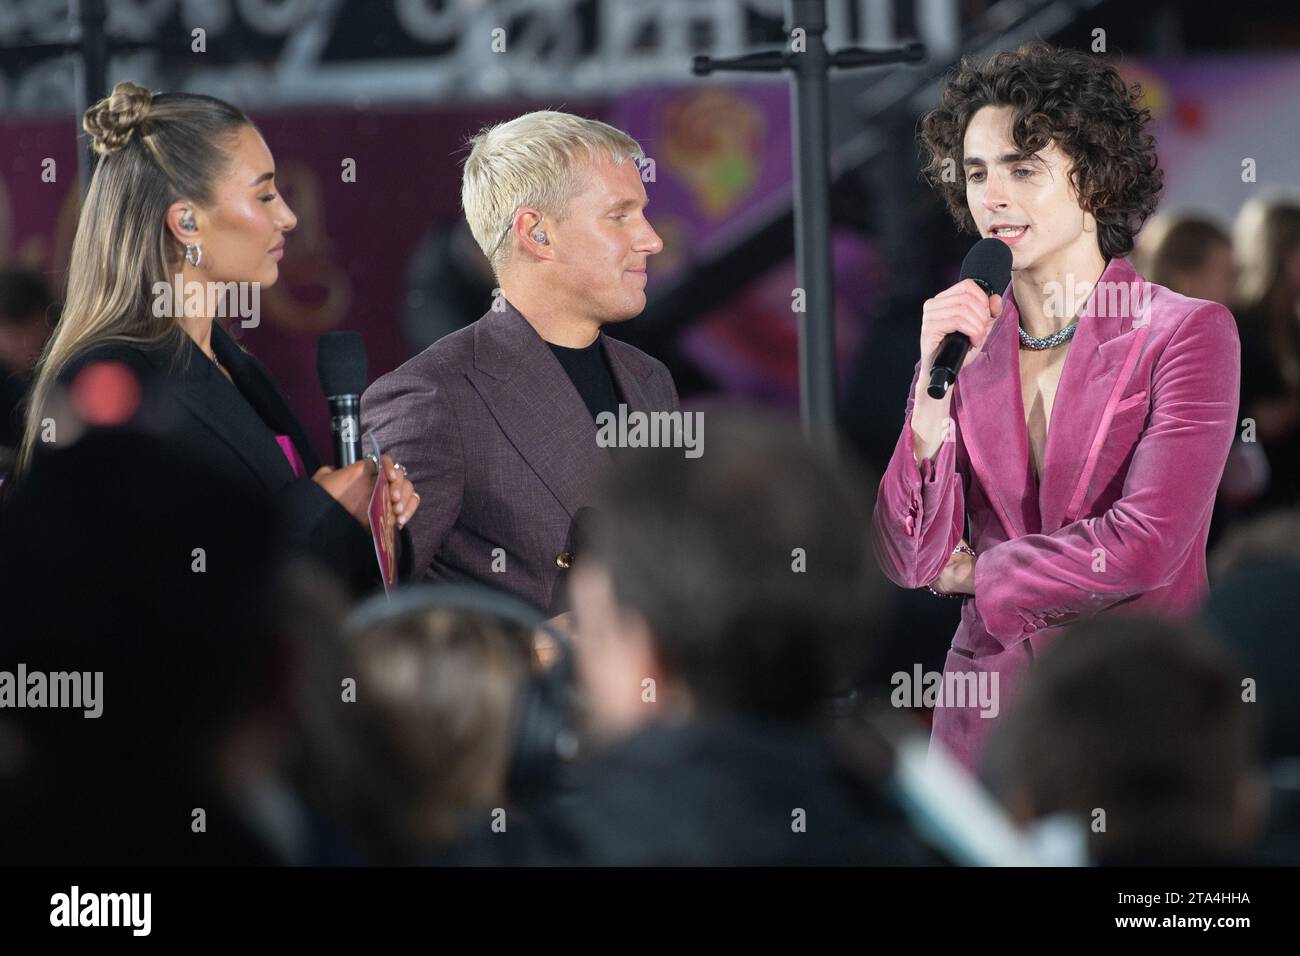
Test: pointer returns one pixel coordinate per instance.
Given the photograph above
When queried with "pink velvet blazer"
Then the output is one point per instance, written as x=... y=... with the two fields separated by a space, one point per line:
x=1141 y=425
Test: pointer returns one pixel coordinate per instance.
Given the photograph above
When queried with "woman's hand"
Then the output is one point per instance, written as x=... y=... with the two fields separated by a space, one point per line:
x=351 y=487
x=958 y=576
x=401 y=492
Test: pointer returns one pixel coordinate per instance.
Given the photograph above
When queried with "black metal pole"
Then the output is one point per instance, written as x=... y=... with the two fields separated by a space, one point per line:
x=810 y=112
x=810 y=108
x=92 y=73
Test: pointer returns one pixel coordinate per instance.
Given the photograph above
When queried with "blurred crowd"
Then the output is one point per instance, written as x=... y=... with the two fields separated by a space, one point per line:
x=1256 y=273
x=718 y=694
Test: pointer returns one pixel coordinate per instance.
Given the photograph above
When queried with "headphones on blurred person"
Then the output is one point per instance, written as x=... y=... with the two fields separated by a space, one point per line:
x=545 y=734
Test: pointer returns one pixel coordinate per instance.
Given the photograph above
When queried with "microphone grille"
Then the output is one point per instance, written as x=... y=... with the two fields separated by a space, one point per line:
x=341 y=363
x=989 y=264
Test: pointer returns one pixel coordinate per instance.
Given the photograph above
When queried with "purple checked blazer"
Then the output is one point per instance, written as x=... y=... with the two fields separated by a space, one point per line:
x=1141 y=425
x=502 y=450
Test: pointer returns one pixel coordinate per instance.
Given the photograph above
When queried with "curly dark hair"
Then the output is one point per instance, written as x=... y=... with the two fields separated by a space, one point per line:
x=1072 y=99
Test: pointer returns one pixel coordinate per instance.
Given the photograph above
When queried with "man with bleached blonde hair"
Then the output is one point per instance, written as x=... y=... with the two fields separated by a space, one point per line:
x=496 y=423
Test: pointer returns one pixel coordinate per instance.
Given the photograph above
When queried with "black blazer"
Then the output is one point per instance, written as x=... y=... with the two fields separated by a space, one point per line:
x=232 y=429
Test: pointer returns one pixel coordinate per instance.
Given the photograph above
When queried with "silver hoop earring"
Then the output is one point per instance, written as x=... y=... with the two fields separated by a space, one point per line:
x=193 y=253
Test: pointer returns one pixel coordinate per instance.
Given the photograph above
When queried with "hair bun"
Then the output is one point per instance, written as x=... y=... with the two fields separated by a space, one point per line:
x=112 y=120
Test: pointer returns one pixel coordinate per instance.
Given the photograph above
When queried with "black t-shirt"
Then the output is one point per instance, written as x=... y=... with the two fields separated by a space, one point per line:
x=588 y=369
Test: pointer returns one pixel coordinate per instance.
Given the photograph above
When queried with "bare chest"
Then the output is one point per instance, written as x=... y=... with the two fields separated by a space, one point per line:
x=1040 y=374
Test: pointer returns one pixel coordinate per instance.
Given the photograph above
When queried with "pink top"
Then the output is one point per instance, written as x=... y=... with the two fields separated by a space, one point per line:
x=290 y=452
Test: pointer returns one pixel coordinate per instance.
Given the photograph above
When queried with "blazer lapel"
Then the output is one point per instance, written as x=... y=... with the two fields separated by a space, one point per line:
x=220 y=406
x=1112 y=327
x=990 y=414
x=986 y=407
x=537 y=407
x=261 y=391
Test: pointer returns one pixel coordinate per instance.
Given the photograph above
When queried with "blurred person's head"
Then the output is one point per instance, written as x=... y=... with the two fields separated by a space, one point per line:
x=24 y=318
x=178 y=174
x=1271 y=535
x=1050 y=140
x=160 y=579
x=428 y=736
x=1137 y=728
x=1266 y=242
x=736 y=583
x=557 y=204
x=1266 y=239
x=1253 y=570
x=106 y=569
x=1191 y=255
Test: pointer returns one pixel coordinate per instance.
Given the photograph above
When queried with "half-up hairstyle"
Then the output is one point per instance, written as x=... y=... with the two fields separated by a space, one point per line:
x=154 y=150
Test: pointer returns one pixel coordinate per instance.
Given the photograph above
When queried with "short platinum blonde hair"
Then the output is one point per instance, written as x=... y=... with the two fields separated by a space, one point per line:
x=533 y=160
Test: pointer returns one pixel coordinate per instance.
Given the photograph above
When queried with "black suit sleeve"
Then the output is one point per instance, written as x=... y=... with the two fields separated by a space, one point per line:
x=308 y=520
x=313 y=521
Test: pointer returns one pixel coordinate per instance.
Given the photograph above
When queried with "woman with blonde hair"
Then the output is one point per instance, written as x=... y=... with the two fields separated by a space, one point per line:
x=1189 y=254
x=1266 y=238
x=183 y=198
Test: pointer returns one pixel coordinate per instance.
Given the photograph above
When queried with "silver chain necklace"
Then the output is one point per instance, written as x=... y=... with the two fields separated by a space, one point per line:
x=212 y=358
x=1028 y=341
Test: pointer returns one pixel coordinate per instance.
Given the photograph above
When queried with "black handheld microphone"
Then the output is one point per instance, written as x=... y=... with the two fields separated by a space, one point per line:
x=989 y=264
x=341 y=365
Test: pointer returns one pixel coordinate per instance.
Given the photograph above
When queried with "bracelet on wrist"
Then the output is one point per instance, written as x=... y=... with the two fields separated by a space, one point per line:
x=960 y=549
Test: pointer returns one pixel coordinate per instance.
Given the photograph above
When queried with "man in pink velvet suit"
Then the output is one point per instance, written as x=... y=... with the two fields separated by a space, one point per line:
x=1087 y=431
